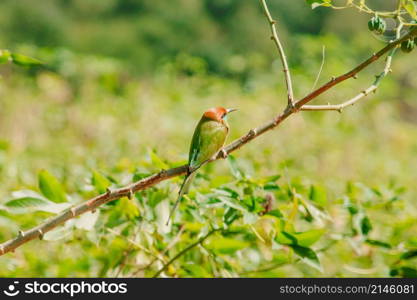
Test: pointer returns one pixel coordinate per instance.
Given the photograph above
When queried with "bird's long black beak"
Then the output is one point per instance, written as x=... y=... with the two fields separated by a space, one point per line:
x=229 y=110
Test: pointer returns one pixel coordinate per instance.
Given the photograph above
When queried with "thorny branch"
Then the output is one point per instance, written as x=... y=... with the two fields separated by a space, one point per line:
x=128 y=191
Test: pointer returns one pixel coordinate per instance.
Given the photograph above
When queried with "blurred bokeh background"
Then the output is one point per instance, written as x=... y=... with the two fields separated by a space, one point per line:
x=126 y=78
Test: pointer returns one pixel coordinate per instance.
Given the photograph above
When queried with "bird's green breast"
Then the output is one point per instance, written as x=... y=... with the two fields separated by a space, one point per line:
x=209 y=137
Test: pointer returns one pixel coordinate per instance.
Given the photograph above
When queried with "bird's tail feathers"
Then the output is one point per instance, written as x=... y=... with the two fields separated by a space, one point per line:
x=185 y=187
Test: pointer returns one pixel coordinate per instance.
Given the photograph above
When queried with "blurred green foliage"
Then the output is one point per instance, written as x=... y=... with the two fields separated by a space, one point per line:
x=125 y=82
x=145 y=32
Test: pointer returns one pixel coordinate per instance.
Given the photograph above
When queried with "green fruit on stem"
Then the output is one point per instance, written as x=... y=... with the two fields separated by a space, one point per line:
x=408 y=45
x=377 y=24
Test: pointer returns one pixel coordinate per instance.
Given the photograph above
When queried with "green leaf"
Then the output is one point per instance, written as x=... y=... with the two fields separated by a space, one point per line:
x=196 y=271
x=25 y=61
x=156 y=196
x=157 y=162
x=230 y=215
x=378 y=243
x=410 y=7
x=254 y=204
x=405 y=272
x=29 y=201
x=270 y=186
x=366 y=225
x=226 y=245
x=272 y=178
x=318 y=195
x=310 y=237
x=234 y=168
x=26 y=202
x=286 y=238
x=307 y=254
x=230 y=193
x=50 y=187
x=409 y=254
x=100 y=182
x=4 y=56
x=276 y=213
x=350 y=206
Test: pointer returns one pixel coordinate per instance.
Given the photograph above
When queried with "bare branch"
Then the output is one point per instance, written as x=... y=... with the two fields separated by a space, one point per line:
x=352 y=101
x=352 y=73
x=89 y=205
x=280 y=48
x=366 y=92
x=94 y=203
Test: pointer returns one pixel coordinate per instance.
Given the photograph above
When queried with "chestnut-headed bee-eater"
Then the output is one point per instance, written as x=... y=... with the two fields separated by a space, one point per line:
x=208 y=139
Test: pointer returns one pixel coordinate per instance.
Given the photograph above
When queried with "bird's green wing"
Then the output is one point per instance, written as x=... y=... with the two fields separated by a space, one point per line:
x=195 y=146
x=208 y=139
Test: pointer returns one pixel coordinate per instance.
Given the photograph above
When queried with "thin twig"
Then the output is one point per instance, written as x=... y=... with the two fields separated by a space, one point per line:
x=352 y=101
x=140 y=247
x=169 y=247
x=281 y=52
x=323 y=57
x=336 y=80
x=94 y=203
x=123 y=260
x=364 y=93
x=183 y=251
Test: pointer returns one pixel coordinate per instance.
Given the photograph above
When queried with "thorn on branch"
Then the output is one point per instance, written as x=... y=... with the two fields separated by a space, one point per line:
x=73 y=212
x=93 y=211
x=21 y=234
x=223 y=153
x=276 y=120
x=252 y=133
x=108 y=191
x=162 y=172
x=40 y=234
x=355 y=76
x=130 y=194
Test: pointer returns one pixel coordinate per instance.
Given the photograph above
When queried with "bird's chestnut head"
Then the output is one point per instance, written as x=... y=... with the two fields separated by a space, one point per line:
x=218 y=113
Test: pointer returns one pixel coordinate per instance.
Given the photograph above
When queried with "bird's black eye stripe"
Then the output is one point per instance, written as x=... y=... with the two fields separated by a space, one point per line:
x=224 y=115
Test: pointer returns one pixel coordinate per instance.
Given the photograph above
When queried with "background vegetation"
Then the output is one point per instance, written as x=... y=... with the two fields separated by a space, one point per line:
x=124 y=84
